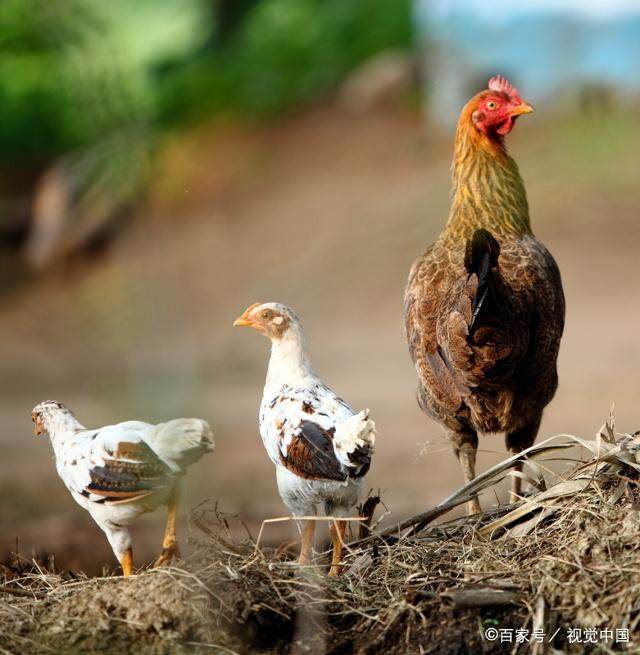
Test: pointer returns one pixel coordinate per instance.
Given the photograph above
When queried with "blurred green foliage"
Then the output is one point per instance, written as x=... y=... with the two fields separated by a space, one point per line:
x=88 y=86
x=73 y=71
x=286 y=53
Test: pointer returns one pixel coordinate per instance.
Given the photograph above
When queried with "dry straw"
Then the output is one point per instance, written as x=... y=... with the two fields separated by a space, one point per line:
x=566 y=556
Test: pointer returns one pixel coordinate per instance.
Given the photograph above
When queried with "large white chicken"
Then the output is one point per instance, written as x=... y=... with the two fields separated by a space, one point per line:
x=321 y=448
x=119 y=472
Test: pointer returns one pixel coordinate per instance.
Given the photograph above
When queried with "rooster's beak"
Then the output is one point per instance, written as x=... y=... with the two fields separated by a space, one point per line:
x=522 y=108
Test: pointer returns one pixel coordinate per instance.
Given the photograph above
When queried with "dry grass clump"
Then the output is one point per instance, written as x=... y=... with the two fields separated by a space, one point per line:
x=567 y=556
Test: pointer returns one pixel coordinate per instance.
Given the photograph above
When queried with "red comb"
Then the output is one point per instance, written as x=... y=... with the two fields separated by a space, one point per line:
x=499 y=83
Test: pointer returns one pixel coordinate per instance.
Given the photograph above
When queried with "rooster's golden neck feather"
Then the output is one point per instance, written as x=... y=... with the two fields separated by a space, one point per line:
x=488 y=191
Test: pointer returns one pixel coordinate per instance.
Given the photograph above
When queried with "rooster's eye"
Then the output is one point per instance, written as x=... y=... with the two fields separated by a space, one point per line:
x=492 y=105
x=266 y=315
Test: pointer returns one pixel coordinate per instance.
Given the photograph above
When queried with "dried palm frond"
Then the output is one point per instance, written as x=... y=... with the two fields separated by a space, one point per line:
x=611 y=454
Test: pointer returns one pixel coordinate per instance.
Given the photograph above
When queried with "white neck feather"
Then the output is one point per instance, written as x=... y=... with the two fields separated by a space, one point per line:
x=289 y=363
x=61 y=425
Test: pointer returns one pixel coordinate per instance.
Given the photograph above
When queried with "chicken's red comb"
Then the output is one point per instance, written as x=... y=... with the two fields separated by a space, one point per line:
x=502 y=84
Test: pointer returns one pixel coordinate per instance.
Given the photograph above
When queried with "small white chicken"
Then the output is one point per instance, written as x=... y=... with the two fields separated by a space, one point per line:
x=321 y=448
x=119 y=472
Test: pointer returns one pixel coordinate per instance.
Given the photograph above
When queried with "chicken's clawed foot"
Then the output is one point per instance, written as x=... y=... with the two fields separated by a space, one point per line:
x=473 y=507
x=169 y=552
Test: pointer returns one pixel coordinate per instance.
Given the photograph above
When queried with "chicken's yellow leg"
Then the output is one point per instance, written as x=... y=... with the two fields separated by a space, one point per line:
x=337 y=537
x=127 y=562
x=170 y=542
x=306 y=541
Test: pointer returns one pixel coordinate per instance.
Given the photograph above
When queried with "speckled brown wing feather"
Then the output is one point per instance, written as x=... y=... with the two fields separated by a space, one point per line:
x=439 y=394
x=533 y=274
x=310 y=454
x=134 y=471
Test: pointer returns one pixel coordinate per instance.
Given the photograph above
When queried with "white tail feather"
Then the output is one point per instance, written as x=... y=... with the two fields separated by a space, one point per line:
x=357 y=431
x=180 y=442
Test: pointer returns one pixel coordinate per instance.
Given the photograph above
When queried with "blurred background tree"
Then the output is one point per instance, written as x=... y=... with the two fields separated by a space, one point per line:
x=88 y=88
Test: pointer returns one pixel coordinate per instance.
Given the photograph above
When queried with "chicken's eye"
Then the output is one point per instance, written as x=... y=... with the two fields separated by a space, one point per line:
x=266 y=315
x=492 y=105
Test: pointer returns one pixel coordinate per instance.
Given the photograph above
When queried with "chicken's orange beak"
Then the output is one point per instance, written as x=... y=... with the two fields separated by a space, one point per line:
x=522 y=108
x=38 y=428
x=241 y=321
x=244 y=320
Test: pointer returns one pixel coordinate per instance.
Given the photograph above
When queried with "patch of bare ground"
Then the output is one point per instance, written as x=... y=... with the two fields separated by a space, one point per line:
x=566 y=556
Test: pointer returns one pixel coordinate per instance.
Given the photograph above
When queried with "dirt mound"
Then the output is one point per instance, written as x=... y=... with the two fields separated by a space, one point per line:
x=150 y=613
x=565 y=558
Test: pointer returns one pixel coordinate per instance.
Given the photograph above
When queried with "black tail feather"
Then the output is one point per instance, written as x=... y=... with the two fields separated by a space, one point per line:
x=481 y=255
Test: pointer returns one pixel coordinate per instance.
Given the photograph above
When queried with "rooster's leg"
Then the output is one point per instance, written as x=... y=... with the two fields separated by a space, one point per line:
x=517 y=441
x=465 y=445
x=170 y=541
x=306 y=541
x=337 y=537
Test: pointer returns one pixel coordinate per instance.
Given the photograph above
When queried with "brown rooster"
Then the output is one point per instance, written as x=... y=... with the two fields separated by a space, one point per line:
x=484 y=307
